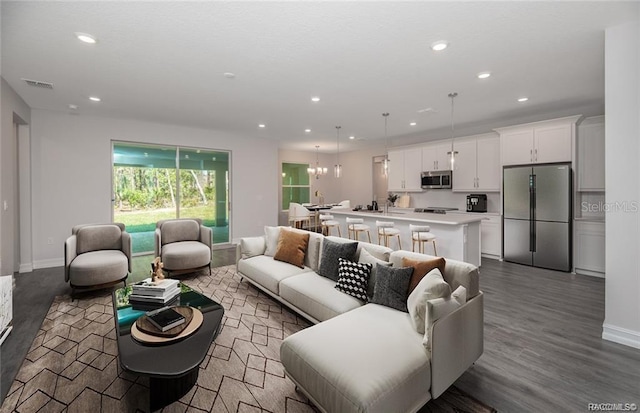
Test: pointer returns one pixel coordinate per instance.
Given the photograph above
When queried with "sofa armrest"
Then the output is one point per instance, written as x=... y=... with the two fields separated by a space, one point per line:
x=250 y=247
x=126 y=247
x=69 y=254
x=457 y=341
x=206 y=235
x=158 y=243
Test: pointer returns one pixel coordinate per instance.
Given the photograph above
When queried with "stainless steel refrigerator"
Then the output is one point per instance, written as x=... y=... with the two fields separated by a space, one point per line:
x=537 y=216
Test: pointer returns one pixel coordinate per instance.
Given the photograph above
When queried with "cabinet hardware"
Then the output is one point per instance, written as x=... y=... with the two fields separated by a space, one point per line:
x=531 y=155
x=536 y=155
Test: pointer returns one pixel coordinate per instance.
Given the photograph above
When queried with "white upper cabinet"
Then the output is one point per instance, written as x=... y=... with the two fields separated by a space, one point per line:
x=539 y=142
x=404 y=170
x=436 y=157
x=590 y=141
x=477 y=164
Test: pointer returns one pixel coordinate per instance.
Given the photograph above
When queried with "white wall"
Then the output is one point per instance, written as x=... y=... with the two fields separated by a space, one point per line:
x=71 y=174
x=622 y=152
x=12 y=105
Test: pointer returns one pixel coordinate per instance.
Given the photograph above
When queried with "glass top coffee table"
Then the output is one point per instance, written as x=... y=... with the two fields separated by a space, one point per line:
x=172 y=368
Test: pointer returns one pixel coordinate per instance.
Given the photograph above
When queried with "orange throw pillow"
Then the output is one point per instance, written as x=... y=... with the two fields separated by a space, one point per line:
x=422 y=268
x=292 y=246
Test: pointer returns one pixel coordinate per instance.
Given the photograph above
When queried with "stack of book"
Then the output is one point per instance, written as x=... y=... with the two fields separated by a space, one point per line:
x=154 y=294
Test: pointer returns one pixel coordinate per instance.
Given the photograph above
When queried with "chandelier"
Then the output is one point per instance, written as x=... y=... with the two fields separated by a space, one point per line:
x=318 y=170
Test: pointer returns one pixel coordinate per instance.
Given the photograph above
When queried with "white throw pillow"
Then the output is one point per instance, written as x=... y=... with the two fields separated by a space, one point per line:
x=439 y=308
x=431 y=286
x=367 y=258
x=252 y=246
x=272 y=234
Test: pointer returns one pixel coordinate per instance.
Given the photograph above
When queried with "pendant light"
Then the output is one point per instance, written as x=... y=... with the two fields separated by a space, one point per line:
x=385 y=161
x=318 y=170
x=337 y=169
x=452 y=153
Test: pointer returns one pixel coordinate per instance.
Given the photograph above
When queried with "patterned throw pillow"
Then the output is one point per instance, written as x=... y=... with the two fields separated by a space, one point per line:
x=353 y=278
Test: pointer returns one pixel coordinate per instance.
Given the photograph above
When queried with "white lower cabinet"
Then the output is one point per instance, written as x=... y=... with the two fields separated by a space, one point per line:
x=491 y=237
x=589 y=258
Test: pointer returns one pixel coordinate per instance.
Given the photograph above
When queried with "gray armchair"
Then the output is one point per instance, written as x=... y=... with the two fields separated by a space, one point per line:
x=183 y=245
x=97 y=256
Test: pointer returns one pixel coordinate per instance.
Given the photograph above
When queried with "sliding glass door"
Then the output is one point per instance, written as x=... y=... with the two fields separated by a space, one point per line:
x=152 y=182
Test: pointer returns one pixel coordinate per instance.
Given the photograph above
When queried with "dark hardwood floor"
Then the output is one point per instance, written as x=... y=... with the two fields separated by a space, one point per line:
x=542 y=351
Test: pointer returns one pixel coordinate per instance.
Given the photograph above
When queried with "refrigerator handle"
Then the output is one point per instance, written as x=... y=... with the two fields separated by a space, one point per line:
x=532 y=213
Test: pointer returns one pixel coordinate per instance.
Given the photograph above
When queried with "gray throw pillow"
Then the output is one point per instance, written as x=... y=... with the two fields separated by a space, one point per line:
x=391 y=287
x=331 y=251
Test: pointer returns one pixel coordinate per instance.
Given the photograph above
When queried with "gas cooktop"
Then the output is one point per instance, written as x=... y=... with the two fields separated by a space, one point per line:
x=435 y=210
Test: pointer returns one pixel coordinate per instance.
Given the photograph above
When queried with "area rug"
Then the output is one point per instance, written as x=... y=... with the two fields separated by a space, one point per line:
x=72 y=365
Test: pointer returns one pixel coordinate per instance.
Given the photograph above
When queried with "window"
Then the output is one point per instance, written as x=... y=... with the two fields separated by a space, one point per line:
x=295 y=184
x=152 y=182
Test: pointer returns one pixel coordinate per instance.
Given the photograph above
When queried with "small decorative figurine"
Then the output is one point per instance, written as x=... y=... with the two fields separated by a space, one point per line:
x=156 y=270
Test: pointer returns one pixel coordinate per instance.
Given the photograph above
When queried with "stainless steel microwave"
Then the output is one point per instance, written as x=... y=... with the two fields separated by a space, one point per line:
x=436 y=179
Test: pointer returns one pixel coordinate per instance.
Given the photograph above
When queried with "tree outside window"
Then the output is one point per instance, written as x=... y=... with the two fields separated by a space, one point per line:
x=295 y=184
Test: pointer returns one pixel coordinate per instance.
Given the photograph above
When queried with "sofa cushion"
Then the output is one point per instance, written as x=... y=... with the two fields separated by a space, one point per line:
x=98 y=237
x=268 y=272
x=316 y=296
x=313 y=248
x=456 y=273
x=331 y=251
x=272 y=235
x=367 y=258
x=180 y=230
x=252 y=246
x=98 y=267
x=431 y=286
x=292 y=247
x=367 y=360
x=185 y=254
x=421 y=269
x=353 y=278
x=439 y=308
x=391 y=287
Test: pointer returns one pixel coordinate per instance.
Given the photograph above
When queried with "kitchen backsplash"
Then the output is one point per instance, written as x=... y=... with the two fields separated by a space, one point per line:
x=445 y=198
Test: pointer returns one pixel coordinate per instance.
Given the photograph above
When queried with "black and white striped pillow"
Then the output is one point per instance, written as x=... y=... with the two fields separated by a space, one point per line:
x=353 y=278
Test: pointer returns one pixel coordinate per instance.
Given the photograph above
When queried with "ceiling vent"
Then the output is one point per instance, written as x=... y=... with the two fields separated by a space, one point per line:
x=37 y=83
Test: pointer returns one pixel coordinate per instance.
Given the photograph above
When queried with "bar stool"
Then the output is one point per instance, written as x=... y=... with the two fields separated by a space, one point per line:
x=355 y=226
x=386 y=230
x=422 y=234
x=327 y=222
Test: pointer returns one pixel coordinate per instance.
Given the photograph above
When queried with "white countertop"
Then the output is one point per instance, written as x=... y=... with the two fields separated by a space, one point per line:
x=453 y=218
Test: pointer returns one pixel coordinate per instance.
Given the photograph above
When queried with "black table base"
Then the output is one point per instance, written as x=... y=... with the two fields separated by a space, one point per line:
x=164 y=391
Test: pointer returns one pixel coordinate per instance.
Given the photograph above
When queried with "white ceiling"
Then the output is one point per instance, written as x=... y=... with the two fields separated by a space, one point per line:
x=164 y=62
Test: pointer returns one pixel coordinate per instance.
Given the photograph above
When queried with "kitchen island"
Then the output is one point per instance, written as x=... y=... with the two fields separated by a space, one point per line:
x=457 y=235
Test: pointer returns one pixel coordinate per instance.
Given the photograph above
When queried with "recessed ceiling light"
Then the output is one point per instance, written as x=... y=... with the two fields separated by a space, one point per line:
x=315 y=99
x=73 y=107
x=438 y=46
x=94 y=98
x=85 y=37
x=412 y=124
x=262 y=125
x=523 y=99
x=484 y=75
x=307 y=130
x=229 y=75
x=352 y=137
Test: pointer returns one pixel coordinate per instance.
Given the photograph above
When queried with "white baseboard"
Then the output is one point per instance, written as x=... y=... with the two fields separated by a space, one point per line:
x=25 y=268
x=621 y=335
x=590 y=273
x=54 y=262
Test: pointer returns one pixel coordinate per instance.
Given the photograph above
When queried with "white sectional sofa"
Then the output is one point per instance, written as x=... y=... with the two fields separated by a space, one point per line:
x=364 y=357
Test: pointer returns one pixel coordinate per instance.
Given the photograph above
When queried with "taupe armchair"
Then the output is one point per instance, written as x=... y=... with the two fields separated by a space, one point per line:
x=183 y=245
x=97 y=256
